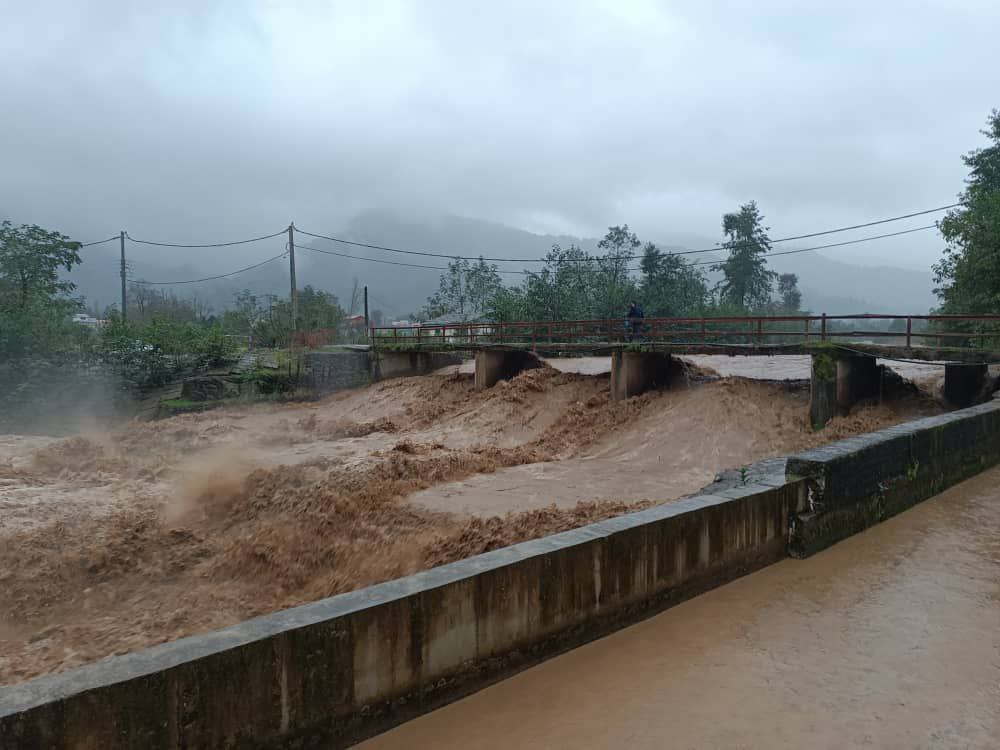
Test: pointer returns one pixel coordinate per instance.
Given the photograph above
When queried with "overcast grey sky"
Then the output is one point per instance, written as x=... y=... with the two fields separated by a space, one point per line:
x=195 y=121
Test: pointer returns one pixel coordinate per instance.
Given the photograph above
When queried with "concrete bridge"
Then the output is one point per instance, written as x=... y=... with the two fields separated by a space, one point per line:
x=844 y=356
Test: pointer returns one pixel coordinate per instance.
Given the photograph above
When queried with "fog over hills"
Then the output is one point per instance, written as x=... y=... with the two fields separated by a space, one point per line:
x=828 y=284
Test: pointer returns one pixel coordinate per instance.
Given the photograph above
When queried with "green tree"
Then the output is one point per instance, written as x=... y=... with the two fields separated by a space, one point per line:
x=670 y=287
x=747 y=281
x=968 y=276
x=790 y=298
x=466 y=290
x=614 y=282
x=318 y=310
x=35 y=301
x=566 y=288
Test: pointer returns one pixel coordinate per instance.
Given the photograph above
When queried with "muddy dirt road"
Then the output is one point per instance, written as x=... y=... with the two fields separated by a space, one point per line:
x=113 y=541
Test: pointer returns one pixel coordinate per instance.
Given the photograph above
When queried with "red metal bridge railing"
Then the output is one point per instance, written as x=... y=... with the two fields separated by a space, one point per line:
x=762 y=330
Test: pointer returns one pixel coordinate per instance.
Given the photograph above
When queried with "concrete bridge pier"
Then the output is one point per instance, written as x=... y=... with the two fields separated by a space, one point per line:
x=838 y=382
x=965 y=385
x=494 y=365
x=389 y=364
x=633 y=373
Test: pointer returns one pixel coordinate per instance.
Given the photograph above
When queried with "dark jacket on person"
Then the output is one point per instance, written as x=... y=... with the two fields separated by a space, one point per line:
x=634 y=311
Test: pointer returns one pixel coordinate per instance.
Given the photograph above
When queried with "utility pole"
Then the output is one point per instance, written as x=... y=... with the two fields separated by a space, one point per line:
x=366 y=310
x=121 y=239
x=291 y=272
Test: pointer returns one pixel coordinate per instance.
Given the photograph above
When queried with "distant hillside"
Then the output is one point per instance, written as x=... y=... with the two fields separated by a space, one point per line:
x=828 y=285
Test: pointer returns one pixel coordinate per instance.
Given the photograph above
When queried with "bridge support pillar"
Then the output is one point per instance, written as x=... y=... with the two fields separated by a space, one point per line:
x=965 y=385
x=633 y=373
x=388 y=365
x=838 y=382
x=494 y=365
x=858 y=378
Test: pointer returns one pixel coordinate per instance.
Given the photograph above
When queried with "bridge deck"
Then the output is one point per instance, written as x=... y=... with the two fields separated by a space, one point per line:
x=929 y=338
x=606 y=348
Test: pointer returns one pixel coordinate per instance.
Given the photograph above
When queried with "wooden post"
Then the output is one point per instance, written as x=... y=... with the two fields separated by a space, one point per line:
x=760 y=331
x=291 y=276
x=822 y=330
x=909 y=330
x=121 y=239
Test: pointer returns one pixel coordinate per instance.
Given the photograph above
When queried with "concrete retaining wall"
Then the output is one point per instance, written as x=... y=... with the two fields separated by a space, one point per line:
x=404 y=364
x=328 y=673
x=342 y=668
x=857 y=482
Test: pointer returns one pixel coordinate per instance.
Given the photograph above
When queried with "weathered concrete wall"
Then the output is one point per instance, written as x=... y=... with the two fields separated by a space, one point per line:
x=858 y=378
x=857 y=482
x=494 y=365
x=328 y=372
x=822 y=390
x=965 y=385
x=838 y=381
x=635 y=372
x=330 y=672
x=404 y=364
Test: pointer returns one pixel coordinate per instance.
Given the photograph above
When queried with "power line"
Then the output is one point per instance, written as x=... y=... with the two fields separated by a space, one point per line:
x=822 y=247
x=212 y=278
x=639 y=268
x=389 y=262
x=98 y=242
x=870 y=223
x=430 y=254
x=210 y=244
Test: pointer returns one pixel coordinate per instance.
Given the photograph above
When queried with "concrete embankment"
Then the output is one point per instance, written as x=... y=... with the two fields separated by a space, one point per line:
x=345 y=667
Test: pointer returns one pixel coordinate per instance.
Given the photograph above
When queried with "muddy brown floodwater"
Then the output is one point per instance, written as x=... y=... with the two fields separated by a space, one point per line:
x=890 y=639
x=111 y=541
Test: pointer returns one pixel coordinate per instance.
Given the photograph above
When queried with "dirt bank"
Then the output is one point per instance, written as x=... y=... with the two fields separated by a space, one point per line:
x=110 y=542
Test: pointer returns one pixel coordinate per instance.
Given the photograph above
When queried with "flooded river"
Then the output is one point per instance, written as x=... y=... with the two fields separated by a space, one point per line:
x=890 y=639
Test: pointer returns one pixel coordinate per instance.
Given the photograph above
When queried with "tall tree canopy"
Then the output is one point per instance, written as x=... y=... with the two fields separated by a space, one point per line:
x=466 y=290
x=670 y=286
x=789 y=296
x=35 y=301
x=746 y=283
x=968 y=276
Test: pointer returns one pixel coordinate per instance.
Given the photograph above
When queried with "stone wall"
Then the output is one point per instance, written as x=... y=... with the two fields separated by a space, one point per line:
x=329 y=372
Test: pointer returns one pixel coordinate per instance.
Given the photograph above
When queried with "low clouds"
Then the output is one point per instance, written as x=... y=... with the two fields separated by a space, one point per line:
x=197 y=121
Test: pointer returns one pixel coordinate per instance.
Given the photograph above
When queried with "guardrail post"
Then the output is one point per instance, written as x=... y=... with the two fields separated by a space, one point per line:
x=822 y=330
x=704 y=330
x=395 y=334
x=610 y=334
x=909 y=330
x=760 y=331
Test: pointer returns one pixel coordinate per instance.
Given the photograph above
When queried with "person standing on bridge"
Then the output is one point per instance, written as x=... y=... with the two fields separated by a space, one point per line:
x=633 y=320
